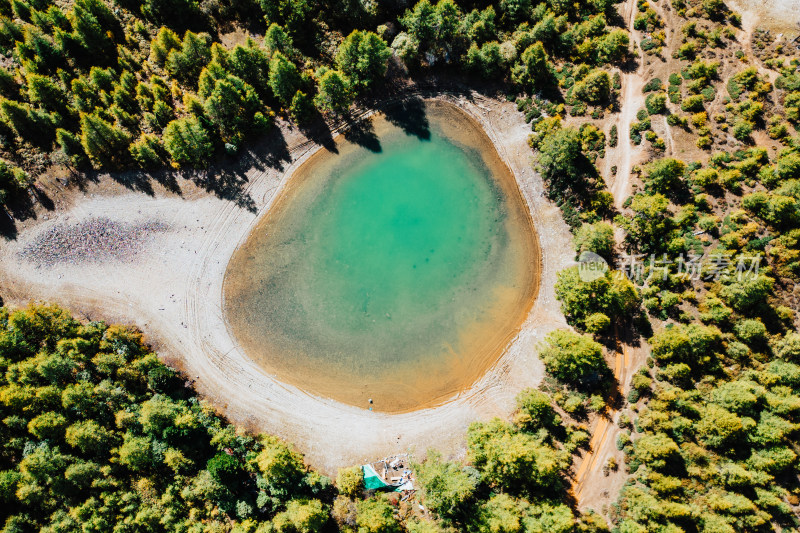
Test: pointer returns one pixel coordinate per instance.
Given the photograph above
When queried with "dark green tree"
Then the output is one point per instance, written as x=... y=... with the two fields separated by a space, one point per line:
x=12 y=181
x=188 y=143
x=284 y=78
x=174 y=13
x=363 y=57
x=187 y=63
x=277 y=40
x=335 y=95
x=104 y=143
x=71 y=147
x=232 y=106
x=44 y=91
x=35 y=126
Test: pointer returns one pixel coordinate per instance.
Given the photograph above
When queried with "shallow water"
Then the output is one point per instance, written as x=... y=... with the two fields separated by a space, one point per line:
x=395 y=270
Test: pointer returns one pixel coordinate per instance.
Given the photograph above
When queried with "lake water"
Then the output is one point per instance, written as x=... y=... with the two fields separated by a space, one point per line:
x=397 y=268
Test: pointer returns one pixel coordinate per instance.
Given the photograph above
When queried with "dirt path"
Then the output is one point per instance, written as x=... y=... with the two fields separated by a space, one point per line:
x=170 y=285
x=632 y=99
x=593 y=488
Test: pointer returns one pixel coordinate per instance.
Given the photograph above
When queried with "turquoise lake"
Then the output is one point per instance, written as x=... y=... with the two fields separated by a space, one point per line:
x=394 y=270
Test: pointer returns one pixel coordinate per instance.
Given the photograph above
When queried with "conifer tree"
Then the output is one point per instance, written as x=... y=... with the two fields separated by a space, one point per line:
x=43 y=91
x=195 y=52
x=188 y=142
x=35 y=126
x=12 y=180
x=92 y=24
x=147 y=151
x=284 y=78
x=277 y=40
x=334 y=94
x=104 y=143
x=166 y=41
x=71 y=146
x=251 y=64
x=175 y=13
x=231 y=106
x=38 y=52
x=363 y=56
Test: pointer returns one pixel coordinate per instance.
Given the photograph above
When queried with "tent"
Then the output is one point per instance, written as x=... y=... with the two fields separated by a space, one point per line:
x=371 y=478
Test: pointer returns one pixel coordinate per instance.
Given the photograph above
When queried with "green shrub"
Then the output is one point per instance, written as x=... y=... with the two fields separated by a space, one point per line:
x=693 y=103
x=652 y=85
x=742 y=130
x=656 y=103
x=597 y=323
x=612 y=136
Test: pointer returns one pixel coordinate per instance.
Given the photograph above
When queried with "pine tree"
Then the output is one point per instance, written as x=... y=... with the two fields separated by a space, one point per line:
x=302 y=107
x=284 y=78
x=334 y=92
x=294 y=15
x=10 y=33
x=195 y=52
x=12 y=180
x=188 y=143
x=43 y=91
x=94 y=26
x=38 y=52
x=8 y=84
x=277 y=40
x=231 y=106
x=21 y=10
x=85 y=97
x=104 y=143
x=251 y=64
x=32 y=125
x=209 y=77
x=175 y=13
x=363 y=56
x=72 y=148
x=147 y=151
x=166 y=41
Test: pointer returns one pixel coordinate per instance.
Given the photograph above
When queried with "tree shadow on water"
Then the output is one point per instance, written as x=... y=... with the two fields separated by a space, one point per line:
x=362 y=133
x=410 y=116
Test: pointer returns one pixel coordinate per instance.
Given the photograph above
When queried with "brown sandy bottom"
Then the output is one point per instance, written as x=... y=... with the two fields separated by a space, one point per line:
x=169 y=284
x=395 y=383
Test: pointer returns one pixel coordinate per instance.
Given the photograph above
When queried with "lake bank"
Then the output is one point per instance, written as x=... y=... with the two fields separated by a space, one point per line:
x=171 y=287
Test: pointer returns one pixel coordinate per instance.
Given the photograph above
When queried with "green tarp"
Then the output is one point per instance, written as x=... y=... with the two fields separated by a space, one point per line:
x=371 y=478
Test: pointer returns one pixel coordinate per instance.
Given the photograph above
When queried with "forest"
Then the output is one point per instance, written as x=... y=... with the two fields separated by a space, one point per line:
x=124 y=85
x=98 y=435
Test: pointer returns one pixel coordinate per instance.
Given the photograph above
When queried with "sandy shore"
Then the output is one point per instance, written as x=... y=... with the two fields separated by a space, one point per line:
x=162 y=260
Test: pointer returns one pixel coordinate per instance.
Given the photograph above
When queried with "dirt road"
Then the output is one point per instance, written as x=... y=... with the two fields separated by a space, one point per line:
x=631 y=100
